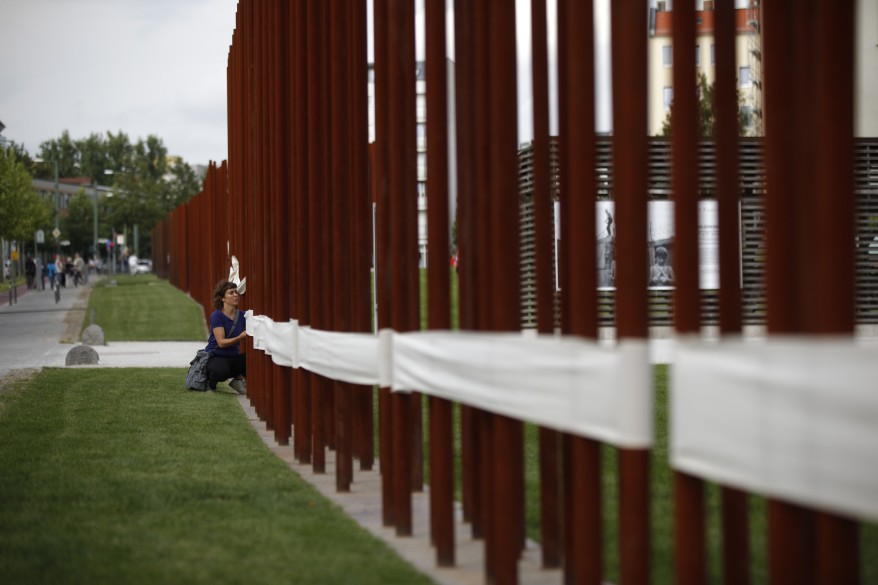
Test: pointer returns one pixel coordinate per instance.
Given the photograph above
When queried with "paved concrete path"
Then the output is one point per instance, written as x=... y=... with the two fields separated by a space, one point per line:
x=363 y=504
x=37 y=331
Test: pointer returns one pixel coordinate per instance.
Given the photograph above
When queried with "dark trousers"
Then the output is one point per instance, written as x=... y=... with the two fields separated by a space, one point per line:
x=223 y=367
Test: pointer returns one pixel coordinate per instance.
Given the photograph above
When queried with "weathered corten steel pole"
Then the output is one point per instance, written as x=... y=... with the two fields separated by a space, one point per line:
x=302 y=311
x=340 y=195
x=550 y=526
x=361 y=225
x=689 y=514
x=280 y=189
x=480 y=254
x=439 y=296
x=383 y=262
x=629 y=72
x=583 y=548
x=405 y=408
x=506 y=538
x=736 y=542
x=834 y=293
x=466 y=230
x=317 y=216
x=564 y=266
x=810 y=289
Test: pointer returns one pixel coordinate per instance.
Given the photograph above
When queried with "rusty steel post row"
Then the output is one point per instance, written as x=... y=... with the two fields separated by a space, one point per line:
x=298 y=180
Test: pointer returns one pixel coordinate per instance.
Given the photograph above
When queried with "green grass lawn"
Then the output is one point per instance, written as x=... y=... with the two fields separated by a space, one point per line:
x=144 y=308
x=120 y=476
x=6 y=284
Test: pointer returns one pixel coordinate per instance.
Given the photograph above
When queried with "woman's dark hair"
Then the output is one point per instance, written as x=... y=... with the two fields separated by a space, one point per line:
x=221 y=288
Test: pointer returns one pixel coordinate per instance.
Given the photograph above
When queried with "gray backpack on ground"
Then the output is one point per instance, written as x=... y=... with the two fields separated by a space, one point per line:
x=196 y=378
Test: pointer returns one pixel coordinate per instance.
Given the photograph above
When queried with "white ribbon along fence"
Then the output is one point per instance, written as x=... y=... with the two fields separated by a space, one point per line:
x=565 y=383
x=794 y=418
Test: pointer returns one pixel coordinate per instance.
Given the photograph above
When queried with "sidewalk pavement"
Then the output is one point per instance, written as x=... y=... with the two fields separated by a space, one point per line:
x=38 y=333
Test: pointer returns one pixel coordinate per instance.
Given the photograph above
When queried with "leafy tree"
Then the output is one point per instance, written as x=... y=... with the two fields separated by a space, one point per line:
x=181 y=187
x=119 y=152
x=137 y=202
x=22 y=210
x=152 y=158
x=706 y=117
x=64 y=151
x=146 y=184
x=78 y=224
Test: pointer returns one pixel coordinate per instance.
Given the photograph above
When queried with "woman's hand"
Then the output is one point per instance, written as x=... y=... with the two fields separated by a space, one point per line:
x=222 y=341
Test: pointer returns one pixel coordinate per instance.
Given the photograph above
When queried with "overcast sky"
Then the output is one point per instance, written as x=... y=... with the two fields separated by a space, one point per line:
x=140 y=66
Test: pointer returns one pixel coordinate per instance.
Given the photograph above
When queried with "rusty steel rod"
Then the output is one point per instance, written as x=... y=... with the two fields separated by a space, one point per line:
x=628 y=21
x=316 y=215
x=467 y=256
x=361 y=240
x=583 y=561
x=689 y=513
x=835 y=288
x=544 y=233
x=384 y=265
x=339 y=36
x=280 y=189
x=404 y=277
x=439 y=295
x=735 y=524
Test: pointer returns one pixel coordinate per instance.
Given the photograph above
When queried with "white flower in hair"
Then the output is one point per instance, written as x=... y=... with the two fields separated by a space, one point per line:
x=234 y=277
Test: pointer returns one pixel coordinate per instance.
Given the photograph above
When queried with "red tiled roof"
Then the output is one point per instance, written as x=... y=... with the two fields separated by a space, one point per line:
x=704 y=22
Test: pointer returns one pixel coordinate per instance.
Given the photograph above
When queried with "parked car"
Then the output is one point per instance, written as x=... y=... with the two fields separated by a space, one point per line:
x=143 y=266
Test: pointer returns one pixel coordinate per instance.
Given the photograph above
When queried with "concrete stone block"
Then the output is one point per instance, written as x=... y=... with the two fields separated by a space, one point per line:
x=93 y=335
x=82 y=355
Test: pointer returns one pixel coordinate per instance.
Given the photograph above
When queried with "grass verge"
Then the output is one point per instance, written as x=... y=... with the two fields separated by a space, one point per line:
x=144 y=308
x=116 y=476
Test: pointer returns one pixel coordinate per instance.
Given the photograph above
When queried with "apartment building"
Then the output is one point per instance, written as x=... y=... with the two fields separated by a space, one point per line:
x=748 y=53
x=866 y=67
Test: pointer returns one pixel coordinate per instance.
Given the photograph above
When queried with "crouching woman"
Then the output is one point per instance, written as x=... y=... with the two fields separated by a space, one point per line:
x=227 y=329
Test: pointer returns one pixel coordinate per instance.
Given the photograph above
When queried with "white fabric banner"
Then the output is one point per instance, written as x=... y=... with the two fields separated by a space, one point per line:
x=568 y=384
x=348 y=357
x=792 y=418
x=279 y=343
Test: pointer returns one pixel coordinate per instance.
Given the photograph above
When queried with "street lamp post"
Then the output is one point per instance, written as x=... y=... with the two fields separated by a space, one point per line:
x=95 y=241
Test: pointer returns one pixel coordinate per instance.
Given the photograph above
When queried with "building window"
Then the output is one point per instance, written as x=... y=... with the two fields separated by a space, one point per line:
x=667 y=97
x=744 y=76
x=667 y=55
x=713 y=54
x=698 y=55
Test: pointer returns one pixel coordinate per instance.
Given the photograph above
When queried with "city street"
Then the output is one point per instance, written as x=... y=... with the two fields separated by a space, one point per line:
x=38 y=332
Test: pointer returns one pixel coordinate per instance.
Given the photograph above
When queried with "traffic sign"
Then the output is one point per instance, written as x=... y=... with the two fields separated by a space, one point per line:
x=57 y=233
